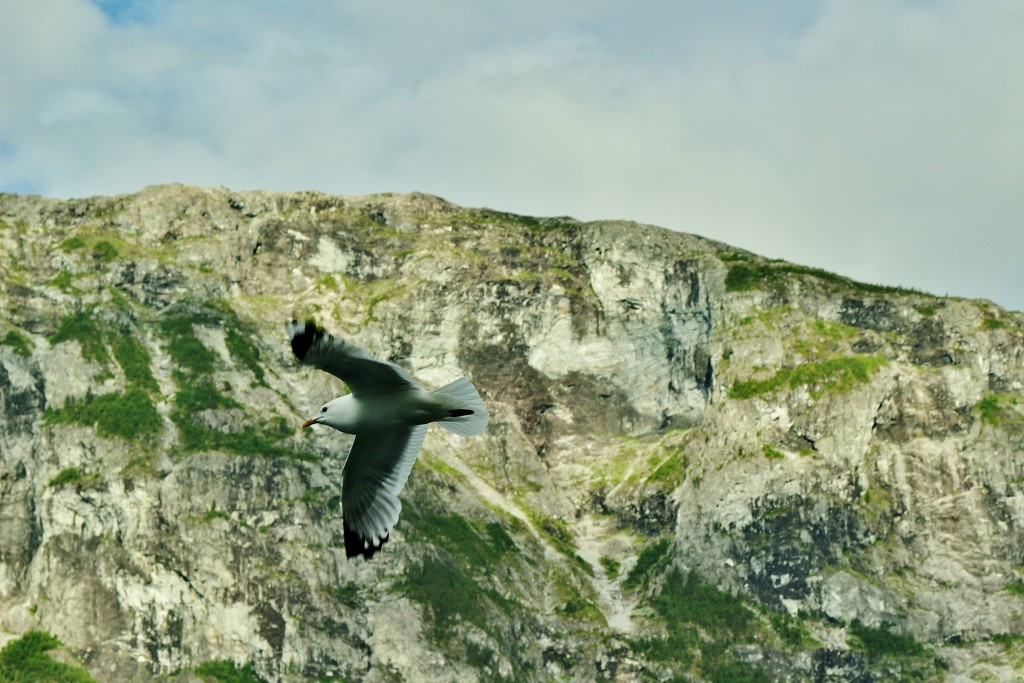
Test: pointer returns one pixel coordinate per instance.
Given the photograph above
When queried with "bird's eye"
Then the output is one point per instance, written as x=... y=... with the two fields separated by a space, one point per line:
x=324 y=409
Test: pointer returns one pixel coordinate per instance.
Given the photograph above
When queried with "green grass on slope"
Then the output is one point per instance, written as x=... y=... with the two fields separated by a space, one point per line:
x=25 y=661
x=225 y=671
x=21 y=344
x=828 y=377
x=745 y=276
x=129 y=415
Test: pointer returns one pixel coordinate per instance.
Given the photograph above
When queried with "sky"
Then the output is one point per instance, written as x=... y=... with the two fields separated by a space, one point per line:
x=880 y=139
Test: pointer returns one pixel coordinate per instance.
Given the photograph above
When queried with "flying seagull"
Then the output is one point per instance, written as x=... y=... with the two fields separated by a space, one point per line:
x=388 y=412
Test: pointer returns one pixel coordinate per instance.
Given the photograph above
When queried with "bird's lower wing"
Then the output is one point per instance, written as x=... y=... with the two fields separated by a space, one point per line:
x=375 y=473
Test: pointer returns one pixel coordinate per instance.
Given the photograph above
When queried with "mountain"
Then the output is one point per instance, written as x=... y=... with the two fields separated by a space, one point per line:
x=701 y=465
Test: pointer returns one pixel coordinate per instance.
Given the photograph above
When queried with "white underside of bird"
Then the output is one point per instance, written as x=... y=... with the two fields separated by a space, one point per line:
x=388 y=412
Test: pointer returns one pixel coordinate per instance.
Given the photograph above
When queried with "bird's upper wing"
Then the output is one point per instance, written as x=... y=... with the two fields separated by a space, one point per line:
x=375 y=473
x=349 y=362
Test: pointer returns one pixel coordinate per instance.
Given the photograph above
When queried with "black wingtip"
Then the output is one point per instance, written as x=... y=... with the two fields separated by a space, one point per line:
x=303 y=340
x=460 y=412
x=356 y=545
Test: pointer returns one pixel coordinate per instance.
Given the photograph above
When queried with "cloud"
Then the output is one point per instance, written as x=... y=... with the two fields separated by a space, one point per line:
x=877 y=139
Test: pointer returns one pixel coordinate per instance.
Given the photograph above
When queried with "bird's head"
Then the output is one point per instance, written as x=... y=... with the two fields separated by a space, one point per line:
x=336 y=413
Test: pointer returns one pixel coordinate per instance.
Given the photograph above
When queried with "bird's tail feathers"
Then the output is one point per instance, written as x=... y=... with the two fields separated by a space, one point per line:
x=469 y=416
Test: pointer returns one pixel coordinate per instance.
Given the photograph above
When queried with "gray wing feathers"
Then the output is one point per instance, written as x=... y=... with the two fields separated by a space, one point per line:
x=349 y=362
x=375 y=473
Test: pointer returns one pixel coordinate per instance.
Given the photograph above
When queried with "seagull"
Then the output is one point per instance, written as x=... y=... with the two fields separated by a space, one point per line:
x=388 y=412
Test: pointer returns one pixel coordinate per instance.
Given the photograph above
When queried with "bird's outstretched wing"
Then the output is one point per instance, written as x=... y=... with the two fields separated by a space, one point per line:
x=375 y=473
x=352 y=364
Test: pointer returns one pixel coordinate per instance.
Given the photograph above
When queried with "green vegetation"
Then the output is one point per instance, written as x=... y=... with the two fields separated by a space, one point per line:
x=1000 y=410
x=791 y=630
x=213 y=513
x=652 y=559
x=882 y=641
x=461 y=539
x=225 y=671
x=72 y=243
x=184 y=346
x=135 y=363
x=104 y=251
x=832 y=376
x=194 y=396
x=611 y=566
x=698 y=616
x=72 y=475
x=243 y=351
x=64 y=281
x=1015 y=589
x=745 y=275
x=196 y=392
x=21 y=344
x=449 y=596
x=25 y=661
x=558 y=533
x=82 y=328
x=129 y=415
x=771 y=453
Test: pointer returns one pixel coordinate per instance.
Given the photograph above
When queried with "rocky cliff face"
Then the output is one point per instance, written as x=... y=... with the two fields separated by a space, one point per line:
x=701 y=464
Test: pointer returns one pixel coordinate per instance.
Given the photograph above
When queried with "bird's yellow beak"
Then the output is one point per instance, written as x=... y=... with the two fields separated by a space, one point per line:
x=310 y=423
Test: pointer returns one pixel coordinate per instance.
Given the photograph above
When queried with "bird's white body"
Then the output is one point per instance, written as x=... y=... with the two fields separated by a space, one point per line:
x=374 y=414
x=388 y=412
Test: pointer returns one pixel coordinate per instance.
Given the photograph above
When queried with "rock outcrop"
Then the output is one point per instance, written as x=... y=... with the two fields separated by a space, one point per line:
x=700 y=463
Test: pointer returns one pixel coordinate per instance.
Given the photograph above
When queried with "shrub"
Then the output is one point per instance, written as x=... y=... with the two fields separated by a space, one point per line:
x=135 y=362
x=21 y=344
x=128 y=415
x=652 y=559
x=104 y=251
x=72 y=243
x=68 y=475
x=25 y=661
x=225 y=671
x=82 y=328
x=243 y=351
x=832 y=376
x=882 y=641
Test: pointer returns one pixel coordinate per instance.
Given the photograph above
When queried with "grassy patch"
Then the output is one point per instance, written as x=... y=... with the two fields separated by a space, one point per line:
x=557 y=532
x=448 y=597
x=21 y=344
x=651 y=560
x=81 y=327
x=461 y=539
x=791 y=630
x=771 y=453
x=213 y=513
x=135 y=363
x=104 y=251
x=1015 y=589
x=72 y=244
x=184 y=346
x=999 y=410
x=744 y=276
x=611 y=566
x=690 y=600
x=25 y=661
x=64 y=281
x=244 y=352
x=225 y=671
x=129 y=415
x=699 y=617
x=72 y=475
x=882 y=641
x=833 y=376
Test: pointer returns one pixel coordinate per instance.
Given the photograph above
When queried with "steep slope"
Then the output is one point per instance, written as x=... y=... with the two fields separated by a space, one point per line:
x=700 y=463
